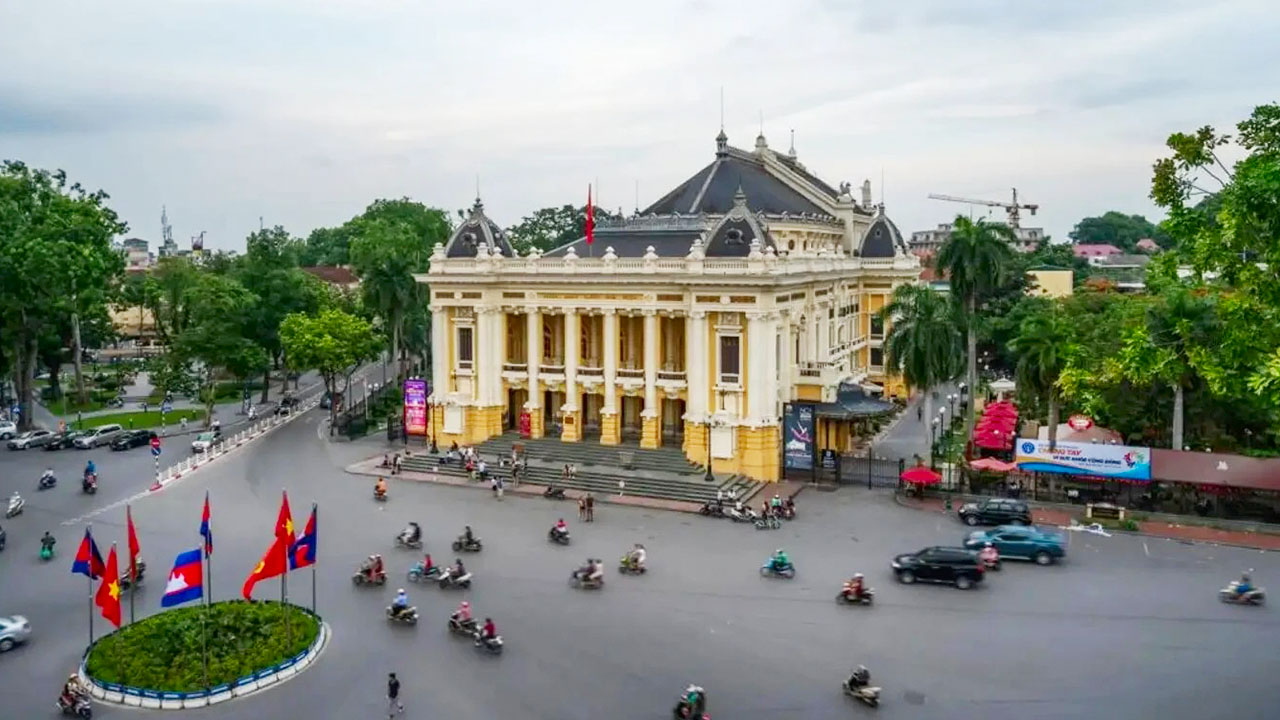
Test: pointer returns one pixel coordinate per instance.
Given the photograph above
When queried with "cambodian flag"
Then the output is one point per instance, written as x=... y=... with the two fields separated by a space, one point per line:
x=303 y=552
x=186 y=582
x=88 y=560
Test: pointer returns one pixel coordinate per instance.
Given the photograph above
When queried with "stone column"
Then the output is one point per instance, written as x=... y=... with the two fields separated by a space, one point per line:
x=610 y=428
x=441 y=364
x=695 y=372
x=533 y=345
x=487 y=415
x=758 y=438
x=785 y=330
x=571 y=414
x=650 y=417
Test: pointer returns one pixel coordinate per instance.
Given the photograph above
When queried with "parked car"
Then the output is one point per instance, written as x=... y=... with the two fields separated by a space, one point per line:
x=131 y=439
x=205 y=440
x=1023 y=542
x=288 y=404
x=14 y=630
x=8 y=429
x=30 y=439
x=101 y=435
x=326 y=401
x=955 y=565
x=996 y=511
x=62 y=440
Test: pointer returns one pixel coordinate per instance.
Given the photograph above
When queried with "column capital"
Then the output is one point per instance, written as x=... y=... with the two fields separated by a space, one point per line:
x=766 y=315
x=649 y=312
x=608 y=311
x=698 y=314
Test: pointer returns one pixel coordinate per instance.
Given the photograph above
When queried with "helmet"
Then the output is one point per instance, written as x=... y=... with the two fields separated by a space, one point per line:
x=465 y=604
x=1245 y=576
x=778 y=551
x=400 y=591
x=857 y=576
x=775 y=494
x=560 y=520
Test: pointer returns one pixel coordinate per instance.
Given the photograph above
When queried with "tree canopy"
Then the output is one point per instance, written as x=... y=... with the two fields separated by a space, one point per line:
x=1116 y=228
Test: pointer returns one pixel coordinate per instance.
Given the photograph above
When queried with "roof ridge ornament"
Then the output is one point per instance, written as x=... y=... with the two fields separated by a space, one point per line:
x=722 y=143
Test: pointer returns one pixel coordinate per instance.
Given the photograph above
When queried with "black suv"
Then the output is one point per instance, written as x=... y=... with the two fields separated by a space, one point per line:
x=996 y=511
x=954 y=565
x=132 y=439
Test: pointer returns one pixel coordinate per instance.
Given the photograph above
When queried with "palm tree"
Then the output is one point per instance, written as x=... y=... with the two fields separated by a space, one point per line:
x=385 y=256
x=976 y=259
x=1042 y=346
x=923 y=342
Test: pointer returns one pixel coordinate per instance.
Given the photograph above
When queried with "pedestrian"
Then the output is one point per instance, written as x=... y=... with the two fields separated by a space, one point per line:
x=919 y=412
x=591 y=507
x=719 y=496
x=393 y=696
x=622 y=486
x=733 y=494
x=183 y=422
x=582 y=508
x=395 y=464
x=564 y=475
x=573 y=472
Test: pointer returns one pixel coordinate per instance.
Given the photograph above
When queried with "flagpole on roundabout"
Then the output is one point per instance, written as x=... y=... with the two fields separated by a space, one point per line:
x=204 y=638
x=314 y=512
x=89 y=532
x=284 y=595
x=133 y=577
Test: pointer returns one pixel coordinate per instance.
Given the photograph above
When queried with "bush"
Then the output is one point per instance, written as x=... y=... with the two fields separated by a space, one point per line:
x=164 y=652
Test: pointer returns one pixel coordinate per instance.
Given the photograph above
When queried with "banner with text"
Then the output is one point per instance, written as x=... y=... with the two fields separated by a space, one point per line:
x=797 y=436
x=1121 y=462
x=415 y=406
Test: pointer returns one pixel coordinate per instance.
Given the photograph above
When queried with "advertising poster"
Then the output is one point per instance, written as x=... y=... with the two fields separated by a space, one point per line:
x=415 y=406
x=1120 y=462
x=797 y=434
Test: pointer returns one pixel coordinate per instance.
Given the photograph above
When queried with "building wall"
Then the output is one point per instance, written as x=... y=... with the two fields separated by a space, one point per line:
x=1051 y=283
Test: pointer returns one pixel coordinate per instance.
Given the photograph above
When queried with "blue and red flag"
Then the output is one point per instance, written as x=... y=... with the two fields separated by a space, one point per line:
x=205 y=530
x=186 y=582
x=88 y=560
x=303 y=551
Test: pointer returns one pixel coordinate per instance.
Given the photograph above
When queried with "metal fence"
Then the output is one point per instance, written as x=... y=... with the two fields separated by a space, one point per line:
x=877 y=472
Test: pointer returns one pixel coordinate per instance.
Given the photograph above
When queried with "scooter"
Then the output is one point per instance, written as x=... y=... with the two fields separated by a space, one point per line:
x=447 y=580
x=403 y=540
x=579 y=579
x=869 y=694
x=788 y=572
x=492 y=646
x=558 y=537
x=418 y=573
x=77 y=706
x=360 y=577
x=467 y=628
x=462 y=544
x=627 y=565
x=46 y=552
x=768 y=523
x=1229 y=594
x=744 y=515
x=408 y=616
x=712 y=508
x=379 y=496
x=16 y=504
x=990 y=558
x=124 y=576
x=46 y=482
x=846 y=597
x=89 y=485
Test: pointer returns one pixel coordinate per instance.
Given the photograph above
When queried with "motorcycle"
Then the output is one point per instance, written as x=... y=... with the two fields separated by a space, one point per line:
x=379 y=496
x=418 y=573
x=124 y=576
x=553 y=493
x=990 y=558
x=580 y=579
x=628 y=565
x=462 y=544
x=712 y=508
x=89 y=485
x=408 y=616
x=402 y=540
x=447 y=580
x=46 y=552
x=16 y=504
x=744 y=515
x=467 y=628
x=492 y=645
x=683 y=711
x=869 y=694
x=77 y=705
x=366 y=577
x=788 y=571
x=46 y=482
x=1229 y=594
x=846 y=596
x=558 y=537
x=768 y=523
x=787 y=512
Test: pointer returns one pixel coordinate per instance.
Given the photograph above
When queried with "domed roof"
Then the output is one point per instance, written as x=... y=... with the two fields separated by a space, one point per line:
x=882 y=239
x=477 y=229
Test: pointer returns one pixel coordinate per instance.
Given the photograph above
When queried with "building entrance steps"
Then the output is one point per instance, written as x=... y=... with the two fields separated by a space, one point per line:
x=601 y=480
x=584 y=454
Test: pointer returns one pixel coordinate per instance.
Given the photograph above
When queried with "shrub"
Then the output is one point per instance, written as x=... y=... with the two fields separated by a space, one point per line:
x=164 y=651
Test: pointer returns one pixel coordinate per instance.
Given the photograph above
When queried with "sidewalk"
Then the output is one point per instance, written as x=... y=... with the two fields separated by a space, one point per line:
x=908 y=436
x=1189 y=533
x=371 y=468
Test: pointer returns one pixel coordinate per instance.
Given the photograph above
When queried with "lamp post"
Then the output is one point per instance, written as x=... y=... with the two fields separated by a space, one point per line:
x=709 y=476
x=952 y=399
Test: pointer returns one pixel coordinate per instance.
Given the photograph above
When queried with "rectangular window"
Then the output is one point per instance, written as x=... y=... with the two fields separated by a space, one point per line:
x=877 y=357
x=465 y=349
x=729 y=359
x=877 y=326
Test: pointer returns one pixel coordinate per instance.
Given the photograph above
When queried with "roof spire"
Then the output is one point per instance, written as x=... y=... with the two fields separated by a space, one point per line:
x=722 y=144
x=792 y=151
x=739 y=197
x=761 y=144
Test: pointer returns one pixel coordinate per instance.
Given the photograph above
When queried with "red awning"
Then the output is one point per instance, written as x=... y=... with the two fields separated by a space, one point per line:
x=921 y=475
x=993 y=465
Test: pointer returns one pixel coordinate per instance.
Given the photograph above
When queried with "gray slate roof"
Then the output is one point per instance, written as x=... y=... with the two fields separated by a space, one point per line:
x=631 y=243
x=883 y=240
x=712 y=188
x=473 y=231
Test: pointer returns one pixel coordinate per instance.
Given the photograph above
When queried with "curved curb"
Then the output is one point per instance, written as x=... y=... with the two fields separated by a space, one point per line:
x=245 y=686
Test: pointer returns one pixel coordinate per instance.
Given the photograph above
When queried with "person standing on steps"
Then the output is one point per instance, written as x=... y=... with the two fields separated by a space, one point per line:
x=393 y=696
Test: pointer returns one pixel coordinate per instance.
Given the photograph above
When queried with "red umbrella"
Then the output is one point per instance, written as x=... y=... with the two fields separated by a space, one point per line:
x=921 y=475
x=999 y=411
x=1000 y=423
x=993 y=465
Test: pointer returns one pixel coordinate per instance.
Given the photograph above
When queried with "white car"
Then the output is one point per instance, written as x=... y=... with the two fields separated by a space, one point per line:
x=101 y=435
x=8 y=429
x=30 y=439
x=204 y=441
x=14 y=630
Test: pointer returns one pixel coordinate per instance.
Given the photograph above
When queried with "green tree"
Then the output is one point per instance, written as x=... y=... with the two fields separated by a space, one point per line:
x=170 y=300
x=552 y=227
x=923 y=342
x=1043 y=343
x=976 y=259
x=1116 y=228
x=331 y=342
x=386 y=255
x=216 y=339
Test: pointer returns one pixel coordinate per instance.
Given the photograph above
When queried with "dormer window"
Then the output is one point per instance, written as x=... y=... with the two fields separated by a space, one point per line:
x=733 y=237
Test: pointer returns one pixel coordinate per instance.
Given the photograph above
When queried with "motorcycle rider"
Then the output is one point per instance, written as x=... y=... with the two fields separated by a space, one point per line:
x=48 y=473
x=775 y=505
x=780 y=561
x=854 y=587
x=457 y=571
x=366 y=567
x=411 y=534
x=860 y=678
x=989 y=555
x=1245 y=586
x=47 y=542
x=380 y=489
x=89 y=469
x=72 y=691
x=467 y=537
x=790 y=504
x=400 y=604
x=694 y=702
x=489 y=633
x=561 y=528
x=597 y=571
x=378 y=570
x=462 y=615
x=636 y=557
x=427 y=564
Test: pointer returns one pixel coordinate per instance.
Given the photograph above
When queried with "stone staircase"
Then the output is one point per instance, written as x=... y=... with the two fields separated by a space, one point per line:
x=590 y=452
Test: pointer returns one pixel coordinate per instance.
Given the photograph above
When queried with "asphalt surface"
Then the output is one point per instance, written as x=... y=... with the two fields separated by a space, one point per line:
x=1126 y=628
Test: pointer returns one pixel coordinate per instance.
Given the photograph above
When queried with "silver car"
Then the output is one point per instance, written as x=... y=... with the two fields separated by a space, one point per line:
x=30 y=439
x=14 y=630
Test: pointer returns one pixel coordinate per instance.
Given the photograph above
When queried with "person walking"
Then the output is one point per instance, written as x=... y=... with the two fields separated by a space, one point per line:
x=591 y=507
x=393 y=696
x=582 y=508
x=395 y=464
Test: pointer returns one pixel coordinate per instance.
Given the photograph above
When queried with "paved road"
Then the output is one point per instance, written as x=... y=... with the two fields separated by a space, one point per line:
x=1125 y=629
x=909 y=436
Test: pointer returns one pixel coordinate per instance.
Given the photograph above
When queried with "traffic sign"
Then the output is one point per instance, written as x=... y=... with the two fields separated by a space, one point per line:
x=155 y=451
x=155 y=443
x=166 y=407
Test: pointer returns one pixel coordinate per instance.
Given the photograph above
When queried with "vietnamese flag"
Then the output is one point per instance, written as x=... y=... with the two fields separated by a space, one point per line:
x=591 y=218
x=272 y=564
x=108 y=596
x=284 y=521
x=134 y=547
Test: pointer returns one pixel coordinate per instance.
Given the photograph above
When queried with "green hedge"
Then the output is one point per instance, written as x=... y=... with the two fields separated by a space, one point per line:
x=163 y=652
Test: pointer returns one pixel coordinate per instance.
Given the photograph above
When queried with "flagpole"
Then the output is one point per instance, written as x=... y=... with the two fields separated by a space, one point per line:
x=89 y=530
x=204 y=642
x=133 y=576
x=314 y=512
x=284 y=598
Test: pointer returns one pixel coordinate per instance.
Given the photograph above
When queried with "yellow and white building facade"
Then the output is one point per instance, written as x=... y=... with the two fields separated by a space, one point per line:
x=689 y=324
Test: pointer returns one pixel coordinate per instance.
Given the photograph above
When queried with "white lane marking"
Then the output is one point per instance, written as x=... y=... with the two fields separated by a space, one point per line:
x=1146 y=549
x=98 y=511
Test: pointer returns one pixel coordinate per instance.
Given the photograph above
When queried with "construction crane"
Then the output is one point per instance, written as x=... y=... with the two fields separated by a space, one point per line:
x=1014 y=209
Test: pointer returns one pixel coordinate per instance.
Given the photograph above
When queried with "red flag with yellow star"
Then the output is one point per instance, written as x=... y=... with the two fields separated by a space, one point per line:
x=284 y=522
x=108 y=596
x=272 y=564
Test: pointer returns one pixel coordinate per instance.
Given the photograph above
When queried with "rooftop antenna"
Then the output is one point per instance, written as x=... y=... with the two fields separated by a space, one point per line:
x=721 y=108
x=637 y=196
x=761 y=122
x=881 y=188
x=260 y=225
x=792 y=151
x=477 y=187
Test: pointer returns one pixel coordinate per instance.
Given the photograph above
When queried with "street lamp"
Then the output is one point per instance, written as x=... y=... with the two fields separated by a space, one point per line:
x=952 y=399
x=709 y=476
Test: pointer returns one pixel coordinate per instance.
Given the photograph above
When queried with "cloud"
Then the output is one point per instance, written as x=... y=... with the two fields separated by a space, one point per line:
x=30 y=110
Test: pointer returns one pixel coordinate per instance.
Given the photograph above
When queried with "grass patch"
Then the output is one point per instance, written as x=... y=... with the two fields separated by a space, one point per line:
x=139 y=420
x=165 y=651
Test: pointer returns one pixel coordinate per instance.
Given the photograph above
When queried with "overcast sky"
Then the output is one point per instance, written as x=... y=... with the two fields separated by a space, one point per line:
x=304 y=111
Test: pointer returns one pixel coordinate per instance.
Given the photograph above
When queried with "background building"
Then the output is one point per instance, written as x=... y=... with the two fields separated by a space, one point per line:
x=750 y=285
x=928 y=242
